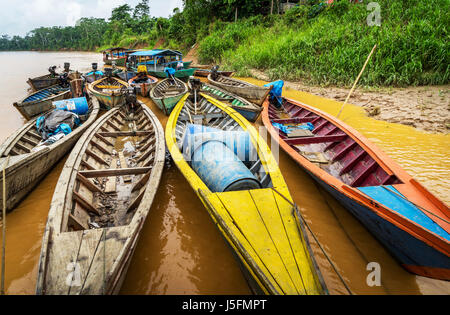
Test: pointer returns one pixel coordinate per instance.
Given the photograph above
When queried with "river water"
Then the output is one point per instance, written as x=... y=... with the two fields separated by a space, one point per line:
x=180 y=250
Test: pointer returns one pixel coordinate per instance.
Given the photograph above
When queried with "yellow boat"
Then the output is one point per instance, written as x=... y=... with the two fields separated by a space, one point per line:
x=259 y=224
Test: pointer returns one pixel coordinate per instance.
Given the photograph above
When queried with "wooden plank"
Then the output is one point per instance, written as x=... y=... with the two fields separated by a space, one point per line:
x=22 y=147
x=76 y=224
x=111 y=182
x=136 y=201
x=141 y=182
x=96 y=157
x=115 y=172
x=84 y=203
x=112 y=125
x=30 y=141
x=87 y=165
x=123 y=164
x=106 y=141
x=125 y=134
x=316 y=139
x=98 y=146
x=86 y=182
x=300 y=133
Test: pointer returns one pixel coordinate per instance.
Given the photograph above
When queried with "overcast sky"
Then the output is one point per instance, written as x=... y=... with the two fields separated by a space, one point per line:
x=20 y=17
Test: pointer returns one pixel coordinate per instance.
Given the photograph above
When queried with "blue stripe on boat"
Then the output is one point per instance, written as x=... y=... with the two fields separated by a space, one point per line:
x=403 y=207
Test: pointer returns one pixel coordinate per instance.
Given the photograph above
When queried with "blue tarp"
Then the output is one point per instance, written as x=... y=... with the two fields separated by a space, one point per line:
x=276 y=92
x=157 y=52
x=289 y=128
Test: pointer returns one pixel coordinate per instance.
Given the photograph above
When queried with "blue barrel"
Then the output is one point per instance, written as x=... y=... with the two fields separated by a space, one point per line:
x=237 y=141
x=77 y=105
x=220 y=169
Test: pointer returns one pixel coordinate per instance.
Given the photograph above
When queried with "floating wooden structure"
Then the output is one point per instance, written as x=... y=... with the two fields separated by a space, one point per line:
x=109 y=91
x=166 y=94
x=100 y=204
x=143 y=84
x=116 y=55
x=41 y=101
x=255 y=94
x=404 y=216
x=26 y=166
x=258 y=223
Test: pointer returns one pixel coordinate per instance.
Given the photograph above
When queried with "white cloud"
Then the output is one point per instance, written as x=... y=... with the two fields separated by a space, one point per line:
x=21 y=17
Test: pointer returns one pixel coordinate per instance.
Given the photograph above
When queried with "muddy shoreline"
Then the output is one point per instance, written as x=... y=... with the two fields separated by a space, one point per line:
x=424 y=107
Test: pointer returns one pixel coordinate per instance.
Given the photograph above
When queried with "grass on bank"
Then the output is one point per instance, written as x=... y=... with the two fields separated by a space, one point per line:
x=329 y=45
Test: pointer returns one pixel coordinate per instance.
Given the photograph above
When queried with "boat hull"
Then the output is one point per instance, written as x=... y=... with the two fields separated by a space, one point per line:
x=384 y=209
x=40 y=83
x=255 y=94
x=120 y=62
x=184 y=73
x=167 y=104
x=22 y=175
x=413 y=254
x=31 y=109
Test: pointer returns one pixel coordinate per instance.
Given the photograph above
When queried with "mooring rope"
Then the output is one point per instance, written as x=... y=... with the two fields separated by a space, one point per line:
x=300 y=216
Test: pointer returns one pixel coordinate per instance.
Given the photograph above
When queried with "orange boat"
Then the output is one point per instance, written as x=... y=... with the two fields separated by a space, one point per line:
x=405 y=217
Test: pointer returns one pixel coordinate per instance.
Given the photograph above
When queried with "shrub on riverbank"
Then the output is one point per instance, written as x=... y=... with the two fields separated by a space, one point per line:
x=331 y=47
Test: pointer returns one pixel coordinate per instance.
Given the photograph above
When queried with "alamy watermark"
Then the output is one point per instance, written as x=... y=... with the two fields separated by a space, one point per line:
x=374 y=17
x=374 y=277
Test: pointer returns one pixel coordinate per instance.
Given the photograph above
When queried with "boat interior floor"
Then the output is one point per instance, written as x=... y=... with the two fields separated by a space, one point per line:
x=329 y=147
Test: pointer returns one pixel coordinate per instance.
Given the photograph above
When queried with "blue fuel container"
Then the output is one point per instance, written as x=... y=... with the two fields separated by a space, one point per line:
x=77 y=105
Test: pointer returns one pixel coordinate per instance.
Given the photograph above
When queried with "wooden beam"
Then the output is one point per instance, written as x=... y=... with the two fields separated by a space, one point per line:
x=115 y=172
x=98 y=146
x=316 y=139
x=87 y=165
x=106 y=141
x=96 y=157
x=77 y=224
x=22 y=147
x=141 y=182
x=136 y=201
x=86 y=182
x=30 y=141
x=84 y=203
x=125 y=133
x=293 y=120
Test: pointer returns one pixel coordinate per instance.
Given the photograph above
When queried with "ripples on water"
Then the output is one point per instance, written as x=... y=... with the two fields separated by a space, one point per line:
x=180 y=250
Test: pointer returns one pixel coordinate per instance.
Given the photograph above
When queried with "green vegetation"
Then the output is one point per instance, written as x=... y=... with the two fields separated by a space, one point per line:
x=331 y=46
x=318 y=43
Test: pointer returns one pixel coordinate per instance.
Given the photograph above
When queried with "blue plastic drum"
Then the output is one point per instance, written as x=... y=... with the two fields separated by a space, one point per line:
x=78 y=105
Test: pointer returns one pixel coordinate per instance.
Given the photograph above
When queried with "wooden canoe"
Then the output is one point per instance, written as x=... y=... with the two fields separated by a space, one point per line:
x=26 y=168
x=182 y=73
x=99 y=208
x=206 y=72
x=166 y=94
x=404 y=216
x=258 y=224
x=255 y=94
x=126 y=75
x=41 y=101
x=239 y=104
x=143 y=86
x=43 y=82
x=93 y=76
x=110 y=92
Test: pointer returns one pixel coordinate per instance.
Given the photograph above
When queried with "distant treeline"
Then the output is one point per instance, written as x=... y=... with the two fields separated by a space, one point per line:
x=129 y=26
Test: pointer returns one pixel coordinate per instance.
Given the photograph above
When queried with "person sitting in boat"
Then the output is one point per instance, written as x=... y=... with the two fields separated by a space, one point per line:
x=179 y=65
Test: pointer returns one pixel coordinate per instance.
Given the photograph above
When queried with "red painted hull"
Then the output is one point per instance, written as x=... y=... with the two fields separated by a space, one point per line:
x=351 y=162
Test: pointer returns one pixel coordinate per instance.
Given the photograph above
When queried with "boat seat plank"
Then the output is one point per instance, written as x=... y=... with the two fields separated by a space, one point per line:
x=115 y=172
x=125 y=134
x=103 y=139
x=86 y=182
x=96 y=157
x=315 y=139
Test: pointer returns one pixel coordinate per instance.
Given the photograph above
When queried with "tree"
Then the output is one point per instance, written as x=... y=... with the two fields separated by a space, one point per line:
x=142 y=10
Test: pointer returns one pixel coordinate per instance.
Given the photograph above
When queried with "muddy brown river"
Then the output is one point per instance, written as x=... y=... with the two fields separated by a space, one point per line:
x=180 y=250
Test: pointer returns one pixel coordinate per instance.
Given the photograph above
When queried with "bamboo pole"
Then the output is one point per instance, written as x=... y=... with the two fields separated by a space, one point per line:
x=2 y=289
x=356 y=81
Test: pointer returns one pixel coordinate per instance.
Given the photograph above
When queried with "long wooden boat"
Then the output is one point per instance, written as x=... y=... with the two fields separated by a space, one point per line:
x=41 y=101
x=239 y=104
x=182 y=73
x=109 y=91
x=116 y=55
x=98 y=208
x=404 y=216
x=166 y=94
x=206 y=72
x=255 y=94
x=26 y=167
x=43 y=82
x=143 y=85
x=256 y=220
x=93 y=76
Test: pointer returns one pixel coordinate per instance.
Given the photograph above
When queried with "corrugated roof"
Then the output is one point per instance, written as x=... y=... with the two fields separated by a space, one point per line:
x=157 y=52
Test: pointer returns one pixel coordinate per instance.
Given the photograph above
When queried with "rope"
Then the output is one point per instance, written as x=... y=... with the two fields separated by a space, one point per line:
x=300 y=216
x=2 y=289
